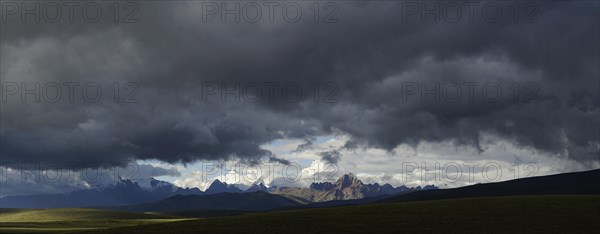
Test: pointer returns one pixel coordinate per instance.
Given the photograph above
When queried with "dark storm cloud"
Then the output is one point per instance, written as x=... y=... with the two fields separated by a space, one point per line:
x=308 y=143
x=370 y=55
x=331 y=157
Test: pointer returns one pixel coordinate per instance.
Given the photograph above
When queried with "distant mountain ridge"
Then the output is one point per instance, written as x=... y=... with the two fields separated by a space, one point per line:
x=221 y=187
x=153 y=195
x=123 y=192
x=145 y=190
x=347 y=190
x=257 y=187
x=151 y=184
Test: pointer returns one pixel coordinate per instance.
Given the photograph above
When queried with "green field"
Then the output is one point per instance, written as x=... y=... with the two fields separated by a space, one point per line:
x=528 y=214
x=524 y=214
x=73 y=219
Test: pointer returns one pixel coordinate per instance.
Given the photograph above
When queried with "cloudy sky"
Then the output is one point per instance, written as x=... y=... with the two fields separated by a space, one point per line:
x=392 y=91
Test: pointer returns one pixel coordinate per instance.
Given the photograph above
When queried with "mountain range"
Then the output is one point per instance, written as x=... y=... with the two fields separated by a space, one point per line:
x=222 y=198
x=141 y=191
x=347 y=187
x=123 y=192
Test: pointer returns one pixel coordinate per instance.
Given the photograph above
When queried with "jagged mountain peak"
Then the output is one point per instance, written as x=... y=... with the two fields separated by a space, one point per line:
x=217 y=184
x=221 y=187
x=347 y=187
x=258 y=186
x=259 y=181
x=217 y=181
x=348 y=180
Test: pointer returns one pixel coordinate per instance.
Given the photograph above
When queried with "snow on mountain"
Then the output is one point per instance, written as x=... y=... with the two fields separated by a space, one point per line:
x=151 y=184
x=258 y=186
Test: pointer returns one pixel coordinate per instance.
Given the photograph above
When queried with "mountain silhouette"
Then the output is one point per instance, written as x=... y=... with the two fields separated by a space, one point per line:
x=123 y=192
x=221 y=187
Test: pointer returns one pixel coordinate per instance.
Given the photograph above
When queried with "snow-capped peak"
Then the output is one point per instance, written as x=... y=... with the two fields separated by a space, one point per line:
x=151 y=184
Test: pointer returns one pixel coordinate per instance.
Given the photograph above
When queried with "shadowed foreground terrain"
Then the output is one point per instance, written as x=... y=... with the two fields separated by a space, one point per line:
x=523 y=214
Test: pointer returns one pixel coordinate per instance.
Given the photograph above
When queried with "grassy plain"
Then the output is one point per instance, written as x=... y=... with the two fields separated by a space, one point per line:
x=73 y=219
x=521 y=214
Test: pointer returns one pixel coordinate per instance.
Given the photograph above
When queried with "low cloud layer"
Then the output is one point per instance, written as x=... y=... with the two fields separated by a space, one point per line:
x=50 y=178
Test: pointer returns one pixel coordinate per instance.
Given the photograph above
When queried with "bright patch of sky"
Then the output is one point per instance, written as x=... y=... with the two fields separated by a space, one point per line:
x=442 y=163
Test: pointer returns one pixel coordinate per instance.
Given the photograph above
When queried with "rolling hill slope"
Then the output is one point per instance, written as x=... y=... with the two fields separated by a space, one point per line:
x=576 y=183
x=255 y=201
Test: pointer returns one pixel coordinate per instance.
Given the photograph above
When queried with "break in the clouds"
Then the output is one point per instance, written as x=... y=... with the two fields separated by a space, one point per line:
x=371 y=58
